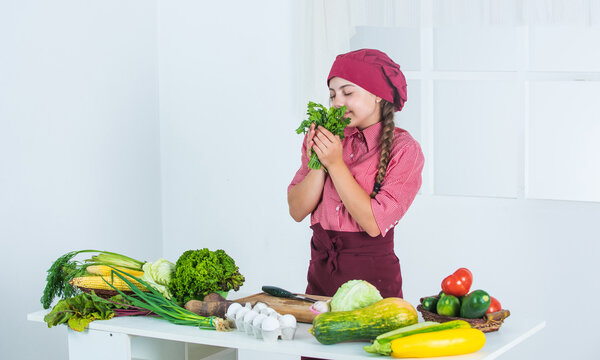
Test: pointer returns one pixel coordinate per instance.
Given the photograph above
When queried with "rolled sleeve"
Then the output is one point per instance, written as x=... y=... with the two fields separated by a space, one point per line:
x=400 y=186
x=304 y=170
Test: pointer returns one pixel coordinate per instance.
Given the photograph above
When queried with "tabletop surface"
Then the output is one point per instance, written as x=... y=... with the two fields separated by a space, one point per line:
x=514 y=330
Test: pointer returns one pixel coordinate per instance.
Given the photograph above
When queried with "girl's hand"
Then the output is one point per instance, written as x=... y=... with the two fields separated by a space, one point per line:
x=309 y=140
x=328 y=147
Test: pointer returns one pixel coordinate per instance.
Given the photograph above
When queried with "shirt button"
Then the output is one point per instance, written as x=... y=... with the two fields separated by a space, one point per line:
x=351 y=156
x=337 y=208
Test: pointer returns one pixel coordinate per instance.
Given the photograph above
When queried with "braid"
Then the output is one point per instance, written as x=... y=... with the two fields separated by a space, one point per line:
x=387 y=136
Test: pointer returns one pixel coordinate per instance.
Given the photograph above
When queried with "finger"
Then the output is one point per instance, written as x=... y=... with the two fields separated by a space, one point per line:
x=326 y=133
x=319 y=142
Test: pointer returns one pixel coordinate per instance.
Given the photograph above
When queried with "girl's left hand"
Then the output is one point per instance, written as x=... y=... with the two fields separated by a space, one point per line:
x=328 y=147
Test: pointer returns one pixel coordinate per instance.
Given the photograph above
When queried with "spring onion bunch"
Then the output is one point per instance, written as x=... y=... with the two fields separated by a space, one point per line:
x=167 y=309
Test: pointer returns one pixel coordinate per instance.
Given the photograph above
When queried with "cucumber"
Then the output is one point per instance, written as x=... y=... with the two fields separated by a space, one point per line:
x=430 y=303
x=475 y=304
x=382 y=344
x=448 y=305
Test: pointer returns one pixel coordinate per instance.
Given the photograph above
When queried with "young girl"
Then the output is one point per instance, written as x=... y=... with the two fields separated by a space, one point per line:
x=372 y=177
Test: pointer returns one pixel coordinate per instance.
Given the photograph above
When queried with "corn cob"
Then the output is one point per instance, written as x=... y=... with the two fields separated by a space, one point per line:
x=98 y=283
x=105 y=270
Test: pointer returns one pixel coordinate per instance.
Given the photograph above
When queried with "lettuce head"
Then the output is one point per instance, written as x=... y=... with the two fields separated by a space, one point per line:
x=354 y=294
x=159 y=274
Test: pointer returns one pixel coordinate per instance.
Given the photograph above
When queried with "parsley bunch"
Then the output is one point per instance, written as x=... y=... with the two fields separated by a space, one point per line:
x=331 y=119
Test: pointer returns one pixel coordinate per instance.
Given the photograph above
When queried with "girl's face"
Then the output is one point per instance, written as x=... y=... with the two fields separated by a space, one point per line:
x=362 y=107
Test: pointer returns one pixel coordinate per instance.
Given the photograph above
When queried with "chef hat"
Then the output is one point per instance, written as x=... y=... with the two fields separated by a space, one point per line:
x=375 y=72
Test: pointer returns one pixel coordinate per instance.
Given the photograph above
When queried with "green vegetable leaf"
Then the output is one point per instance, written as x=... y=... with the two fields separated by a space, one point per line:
x=354 y=294
x=331 y=119
x=200 y=272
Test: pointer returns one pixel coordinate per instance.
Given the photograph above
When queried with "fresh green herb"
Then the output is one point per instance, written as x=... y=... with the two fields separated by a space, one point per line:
x=331 y=119
x=65 y=269
x=200 y=272
x=167 y=309
x=78 y=311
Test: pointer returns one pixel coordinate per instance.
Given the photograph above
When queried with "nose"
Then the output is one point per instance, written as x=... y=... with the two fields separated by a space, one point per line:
x=337 y=102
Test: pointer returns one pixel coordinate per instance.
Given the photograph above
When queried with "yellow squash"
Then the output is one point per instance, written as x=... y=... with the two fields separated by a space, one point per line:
x=439 y=343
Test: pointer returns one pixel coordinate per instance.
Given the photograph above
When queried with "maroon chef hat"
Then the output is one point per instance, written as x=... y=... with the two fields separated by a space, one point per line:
x=375 y=72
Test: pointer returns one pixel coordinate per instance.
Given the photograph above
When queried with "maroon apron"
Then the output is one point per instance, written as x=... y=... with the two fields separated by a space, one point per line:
x=340 y=256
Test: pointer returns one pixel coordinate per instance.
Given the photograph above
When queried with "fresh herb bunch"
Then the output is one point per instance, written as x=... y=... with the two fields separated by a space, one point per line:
x=200 y=272
x=331 y=119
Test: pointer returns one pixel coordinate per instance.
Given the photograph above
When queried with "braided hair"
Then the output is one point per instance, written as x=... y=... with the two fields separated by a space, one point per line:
x=387 y=136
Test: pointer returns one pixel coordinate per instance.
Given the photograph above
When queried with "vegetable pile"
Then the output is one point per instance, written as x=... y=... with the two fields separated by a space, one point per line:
x=331 y=119
x=455 y=300
x=143 y=288
x=391 y=324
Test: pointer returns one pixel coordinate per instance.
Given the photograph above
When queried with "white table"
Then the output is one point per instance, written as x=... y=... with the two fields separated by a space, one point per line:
x=128 y=338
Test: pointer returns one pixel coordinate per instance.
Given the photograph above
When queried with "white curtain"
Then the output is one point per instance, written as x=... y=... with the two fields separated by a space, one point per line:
x=328 y=25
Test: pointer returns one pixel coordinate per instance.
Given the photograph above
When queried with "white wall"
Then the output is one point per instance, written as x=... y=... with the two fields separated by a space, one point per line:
x=229 y=110
x=79 y=155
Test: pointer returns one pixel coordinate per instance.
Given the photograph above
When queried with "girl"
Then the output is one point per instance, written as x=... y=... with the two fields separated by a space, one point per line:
x=372 y=177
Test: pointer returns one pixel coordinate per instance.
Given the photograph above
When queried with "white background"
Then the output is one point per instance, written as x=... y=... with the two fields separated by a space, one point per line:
x=149 y=128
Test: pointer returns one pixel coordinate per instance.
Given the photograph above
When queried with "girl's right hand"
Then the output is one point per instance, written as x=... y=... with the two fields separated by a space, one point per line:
x=309 y=140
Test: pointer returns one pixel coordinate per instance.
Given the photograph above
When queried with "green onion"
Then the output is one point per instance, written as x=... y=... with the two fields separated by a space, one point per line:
x=167 y=309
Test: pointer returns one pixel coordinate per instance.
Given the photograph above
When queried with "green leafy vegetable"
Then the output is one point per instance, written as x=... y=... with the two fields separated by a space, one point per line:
x=200 y=272
x=78 y=311
x=331 y=119
x=158 y=274
x=354 y=294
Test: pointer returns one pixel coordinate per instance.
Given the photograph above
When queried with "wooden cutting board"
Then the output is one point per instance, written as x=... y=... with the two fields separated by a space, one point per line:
x=299 y=308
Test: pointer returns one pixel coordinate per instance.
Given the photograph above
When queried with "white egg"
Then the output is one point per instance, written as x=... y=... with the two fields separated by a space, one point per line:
x=287 y=321
x=270 y=324
x=259 y=306
x=249 y=316
x=232 y=309
x=240 y=313
x=258 y=319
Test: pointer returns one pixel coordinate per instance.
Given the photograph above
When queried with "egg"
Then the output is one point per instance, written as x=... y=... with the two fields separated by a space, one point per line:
x=270 y=324
x=257 y=325
x=287 y=320
x=250 y=315
x=239 y=318
x=232 y=309
x=259 y=306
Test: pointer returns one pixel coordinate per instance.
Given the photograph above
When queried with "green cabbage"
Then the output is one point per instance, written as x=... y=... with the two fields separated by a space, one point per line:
x=354 y=294
x=159 y=274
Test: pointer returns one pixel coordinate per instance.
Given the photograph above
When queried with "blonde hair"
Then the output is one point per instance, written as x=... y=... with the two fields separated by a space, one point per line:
x=387 y=136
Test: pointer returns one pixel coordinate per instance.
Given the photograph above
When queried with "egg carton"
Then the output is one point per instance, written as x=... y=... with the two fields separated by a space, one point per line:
x=262 y=322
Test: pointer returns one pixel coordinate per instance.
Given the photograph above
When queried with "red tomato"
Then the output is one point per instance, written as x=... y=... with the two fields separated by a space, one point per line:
x=459 y=283
x=465 y=277
x=494 y=305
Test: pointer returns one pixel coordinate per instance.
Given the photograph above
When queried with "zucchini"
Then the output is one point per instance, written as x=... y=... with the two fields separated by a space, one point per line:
x=439 y=343
x=382 y=344
x=363 y=324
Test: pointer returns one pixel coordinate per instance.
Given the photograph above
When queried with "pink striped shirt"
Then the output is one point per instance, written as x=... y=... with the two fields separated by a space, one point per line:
x=361 y=151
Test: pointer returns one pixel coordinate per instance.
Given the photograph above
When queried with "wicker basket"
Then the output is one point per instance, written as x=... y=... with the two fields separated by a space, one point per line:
x=105 y=294
x=488 y=323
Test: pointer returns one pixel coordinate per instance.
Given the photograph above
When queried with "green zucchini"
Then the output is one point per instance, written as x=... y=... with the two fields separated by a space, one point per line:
x=363 y=324
x=382 y=344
